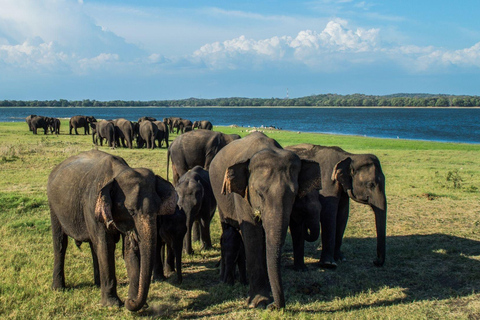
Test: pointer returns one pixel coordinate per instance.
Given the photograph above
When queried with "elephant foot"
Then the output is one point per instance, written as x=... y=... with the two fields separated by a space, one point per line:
x=300 y=267
x=328 y=264
x=112 y=302
x=158 y=279
x=340 y=257
x=259 y=301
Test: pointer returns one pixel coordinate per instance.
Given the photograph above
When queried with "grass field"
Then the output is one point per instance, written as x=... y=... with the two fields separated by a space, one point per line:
x=432 y=267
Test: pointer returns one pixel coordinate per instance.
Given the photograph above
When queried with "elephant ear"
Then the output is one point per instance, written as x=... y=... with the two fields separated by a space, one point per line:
x=103 y=206
x=309 y=178
x=236 y=179
x=167 y=194
x=342 y=173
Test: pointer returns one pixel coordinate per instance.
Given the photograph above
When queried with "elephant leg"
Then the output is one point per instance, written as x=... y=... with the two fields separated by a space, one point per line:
x=328 y=219
x=158 y=274
x=170 y=259
x=196 y=231
x=60 y=243
x=105 y=249
x=96 y=271
x=205 y=234
x=187 y=242
x=342 y=218
x=296 y=231
x=254 y=241
x=241 y=263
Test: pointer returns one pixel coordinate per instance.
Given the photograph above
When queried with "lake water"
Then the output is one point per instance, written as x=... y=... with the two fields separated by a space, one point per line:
x=434 y=124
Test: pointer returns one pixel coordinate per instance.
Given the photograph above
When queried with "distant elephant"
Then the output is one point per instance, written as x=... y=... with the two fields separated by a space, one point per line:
x=28 y=119
x=171 y=232
x=304 y=225
x=147 y=133
x=187 y=129
x=95 y=197
x=170 y=123
x=39 y=122
x=204 y=124
x=104 y=130
x=346 y=176
x=256 y=182
x=146 y=119
x=194 y=148
x=195 y=197
x=124 y=132
x=81 y=122
x=232 y=255
x=162 y=133
x=54 y=125
x=182 y=124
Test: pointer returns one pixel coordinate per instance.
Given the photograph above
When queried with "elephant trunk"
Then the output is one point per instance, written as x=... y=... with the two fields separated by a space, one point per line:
x=142 y=272
x=381 y=226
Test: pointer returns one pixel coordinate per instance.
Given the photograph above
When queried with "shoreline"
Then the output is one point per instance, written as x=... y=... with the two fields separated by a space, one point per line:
x=244 y=107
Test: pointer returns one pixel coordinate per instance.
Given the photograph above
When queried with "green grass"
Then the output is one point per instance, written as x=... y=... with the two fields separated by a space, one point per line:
x=433 y=244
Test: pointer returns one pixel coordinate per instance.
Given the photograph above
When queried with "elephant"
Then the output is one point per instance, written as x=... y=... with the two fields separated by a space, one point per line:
x=194 y=148
x=54 y=125
x=146 y=119
x=196 y=199
x=182 y=124
x=168 y=256
x=28 y=119
x=147 y=132
x=124 y=132
x=95 y=197
x=81 y=122
x=232 y=255
x=346 y=176
x=255 y=182
x=40 y=122
x=170 y=122
x=304 y=225
x=162 y=133
x=104 y=129
x=203 y=124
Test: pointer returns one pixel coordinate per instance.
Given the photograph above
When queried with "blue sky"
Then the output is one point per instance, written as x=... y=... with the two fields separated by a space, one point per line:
x=156 y=49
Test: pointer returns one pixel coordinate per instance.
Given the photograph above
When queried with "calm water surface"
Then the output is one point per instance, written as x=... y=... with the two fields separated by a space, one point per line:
x=434 y=124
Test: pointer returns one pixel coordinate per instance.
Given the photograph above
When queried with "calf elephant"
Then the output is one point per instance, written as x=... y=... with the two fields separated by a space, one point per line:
x=194 y=148
x=255 y=182
x=232 y=255
x=195 y=197
x=94 y=197
x=182 y=125
x=104 y=130
x=171 y=232
x=203 y=124
x=170 y=122
x=81 y=122
x=54 y=125
x=346 y=176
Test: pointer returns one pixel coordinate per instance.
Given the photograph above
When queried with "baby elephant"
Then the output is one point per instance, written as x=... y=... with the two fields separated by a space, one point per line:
x=232 y=255
x=171 y=231
x=195 y=197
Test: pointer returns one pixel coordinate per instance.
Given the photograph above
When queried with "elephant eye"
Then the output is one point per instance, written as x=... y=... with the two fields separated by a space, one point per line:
x=260 y=195
x=370 y=185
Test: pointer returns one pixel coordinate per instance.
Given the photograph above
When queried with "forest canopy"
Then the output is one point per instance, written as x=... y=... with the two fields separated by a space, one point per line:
x=320 y=100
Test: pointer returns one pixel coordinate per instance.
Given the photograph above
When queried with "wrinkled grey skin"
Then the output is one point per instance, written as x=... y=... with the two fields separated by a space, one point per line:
x=124 y=132
x=168 y=256
x=147 y=132
x=162 y=133
x=81 y=122
x=28 y=119
x=255 y=182
x=304 y=225
x=94 y=197
x=346 y=176
x=104 y=129
x=194 y=148
x=196 y=199
x=232 y=255
x=40 y=122
x=203 y=124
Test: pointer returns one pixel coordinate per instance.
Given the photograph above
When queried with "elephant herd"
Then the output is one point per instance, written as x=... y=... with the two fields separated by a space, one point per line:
x=259 y=188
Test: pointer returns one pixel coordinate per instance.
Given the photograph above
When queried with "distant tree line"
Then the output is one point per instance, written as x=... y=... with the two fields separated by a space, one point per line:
x=321 y=100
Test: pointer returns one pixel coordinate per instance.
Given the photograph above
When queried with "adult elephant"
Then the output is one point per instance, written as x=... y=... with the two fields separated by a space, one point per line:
x=54 y=125
x=170 y=122
x=95 y=197
x=182 y=124
x=81 y=122
x=194 y=148
x=146 y=119
x=147 y=132
x=162 y=133
x=124 y=132
x=203 y=124
x=346 y=176
x=28 y=119
x=104 y=129
x=40 y=122
x=256 y=182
